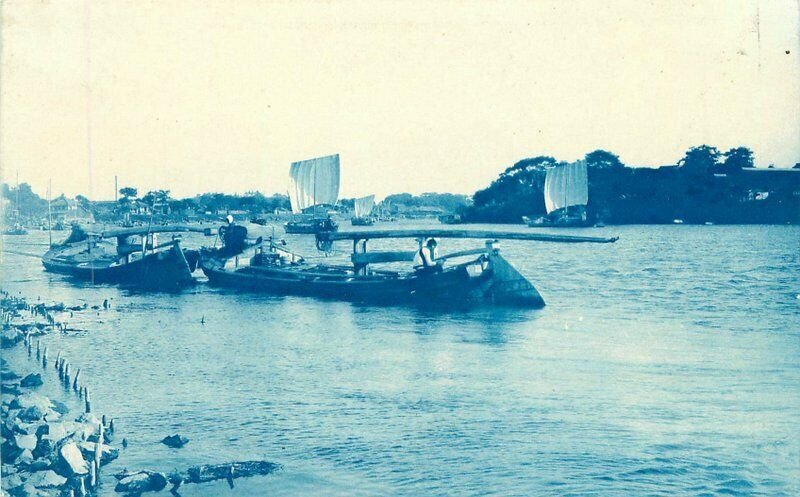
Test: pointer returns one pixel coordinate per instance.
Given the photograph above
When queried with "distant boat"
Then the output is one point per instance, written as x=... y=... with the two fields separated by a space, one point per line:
x=566 y=195
x=135 y=259
x=362 y=208
x=677 y=221
x=17 y=229
x=479 y=276
x=313 y=183
x=450 y=219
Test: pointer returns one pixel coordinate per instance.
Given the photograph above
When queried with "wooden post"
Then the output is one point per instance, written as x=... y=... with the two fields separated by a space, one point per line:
x=92 y=475
x=98 y=451
x=88 y=401
x=82 y=487
x=30 y=347
x=38 y=349
x=44 y=358
x=111 y=425
x=58 y=359
x=66 y=376
x=75 y=383
x=103 y=419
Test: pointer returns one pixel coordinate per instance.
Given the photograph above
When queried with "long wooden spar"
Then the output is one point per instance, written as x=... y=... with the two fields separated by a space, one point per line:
x=141 y=230
x=356 y=236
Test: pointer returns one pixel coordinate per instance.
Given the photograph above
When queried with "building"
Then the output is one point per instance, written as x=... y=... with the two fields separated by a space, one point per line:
x=67 y=210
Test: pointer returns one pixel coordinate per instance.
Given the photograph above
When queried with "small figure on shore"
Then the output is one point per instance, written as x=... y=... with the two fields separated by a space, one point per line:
x=203 y=319
x=105 y=304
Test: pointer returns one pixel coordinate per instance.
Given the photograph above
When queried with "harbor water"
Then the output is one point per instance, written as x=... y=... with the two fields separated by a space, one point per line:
x=667 y=363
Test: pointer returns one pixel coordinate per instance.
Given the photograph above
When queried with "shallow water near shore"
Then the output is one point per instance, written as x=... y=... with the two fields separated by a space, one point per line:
x=667 y=363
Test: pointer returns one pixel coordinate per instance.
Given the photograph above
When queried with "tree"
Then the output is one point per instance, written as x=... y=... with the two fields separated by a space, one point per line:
x=83 y=201
x=128 y=192
x=156 y=198
x=737 y=158
x=602 y=159
x=700 y=159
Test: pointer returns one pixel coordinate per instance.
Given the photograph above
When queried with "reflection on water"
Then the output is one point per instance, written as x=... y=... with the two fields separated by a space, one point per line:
x=664 y=364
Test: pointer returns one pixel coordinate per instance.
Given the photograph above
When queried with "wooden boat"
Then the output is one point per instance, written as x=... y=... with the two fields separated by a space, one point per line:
x=313 y=183
x=362 y=211
x=566 y=197
x=134 y=258
x=16 y=230
x=450 y=219
x=469 y=277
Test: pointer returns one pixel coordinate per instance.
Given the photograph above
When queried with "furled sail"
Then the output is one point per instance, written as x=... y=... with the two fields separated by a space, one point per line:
x=314 y=182
x=363 y=206
x=566 y=185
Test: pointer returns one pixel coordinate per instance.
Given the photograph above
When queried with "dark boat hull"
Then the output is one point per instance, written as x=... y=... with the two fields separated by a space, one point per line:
x=465 y=284
x=361 y=221
x=167 y=270
x=309 y=227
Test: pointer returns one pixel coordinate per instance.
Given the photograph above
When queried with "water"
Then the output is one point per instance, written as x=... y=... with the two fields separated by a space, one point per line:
x=667 y=363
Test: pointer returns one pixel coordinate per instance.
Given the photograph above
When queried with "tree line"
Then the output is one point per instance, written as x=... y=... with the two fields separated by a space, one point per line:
x=706 y=185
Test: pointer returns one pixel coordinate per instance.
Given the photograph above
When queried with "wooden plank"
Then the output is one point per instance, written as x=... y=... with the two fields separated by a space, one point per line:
x=143 y=230
x=446 y=233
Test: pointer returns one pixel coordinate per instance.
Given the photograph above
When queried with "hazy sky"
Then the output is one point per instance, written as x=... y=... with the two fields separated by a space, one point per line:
x=205 y=95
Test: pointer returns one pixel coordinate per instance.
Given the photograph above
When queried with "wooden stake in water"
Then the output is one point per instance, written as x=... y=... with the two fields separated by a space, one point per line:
x=98 y=452
x=44 y=358
x=92 y=475
x=58 y=359
x=38 y=349
x=75 y=383
x=88 y=401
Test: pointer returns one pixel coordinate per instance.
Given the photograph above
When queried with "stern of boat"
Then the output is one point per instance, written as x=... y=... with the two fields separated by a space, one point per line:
x=508 y=286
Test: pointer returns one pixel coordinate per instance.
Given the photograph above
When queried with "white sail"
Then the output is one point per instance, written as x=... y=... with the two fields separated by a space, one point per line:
x=314 y=182
x=566 y=185
x=363 y=206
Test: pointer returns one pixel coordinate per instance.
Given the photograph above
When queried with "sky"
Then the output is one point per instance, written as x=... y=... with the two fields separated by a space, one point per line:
x=200 y=95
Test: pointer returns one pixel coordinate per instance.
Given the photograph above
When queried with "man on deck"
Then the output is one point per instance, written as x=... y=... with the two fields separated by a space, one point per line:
x=234 y=237
x=425 y=259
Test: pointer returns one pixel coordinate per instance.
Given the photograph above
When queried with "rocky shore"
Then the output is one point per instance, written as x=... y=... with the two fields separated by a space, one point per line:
x=48 y=449
x=51 y=450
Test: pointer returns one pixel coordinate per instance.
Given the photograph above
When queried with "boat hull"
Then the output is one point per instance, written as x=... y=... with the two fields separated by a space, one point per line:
x=167 y=270
x=491 y=281
x=307 y=227
x=361 y=221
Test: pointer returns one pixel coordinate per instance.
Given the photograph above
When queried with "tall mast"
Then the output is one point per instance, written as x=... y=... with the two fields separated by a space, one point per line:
x=17 y=201
x=315 y=189
x=50 y=212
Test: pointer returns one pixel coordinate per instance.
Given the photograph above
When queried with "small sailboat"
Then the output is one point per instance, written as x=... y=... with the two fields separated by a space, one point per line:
x=17 y=229
x=362 y=208
x=566 y=195
x=313 y=183
x=127 y=256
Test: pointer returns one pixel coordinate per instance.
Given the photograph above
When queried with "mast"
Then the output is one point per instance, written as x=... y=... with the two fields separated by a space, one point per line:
x=50 y=212
x=315 y=189
x=17 y=201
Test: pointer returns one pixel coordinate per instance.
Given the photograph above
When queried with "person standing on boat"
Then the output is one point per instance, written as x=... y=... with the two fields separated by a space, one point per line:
x=425 y=259
x=234 y=237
